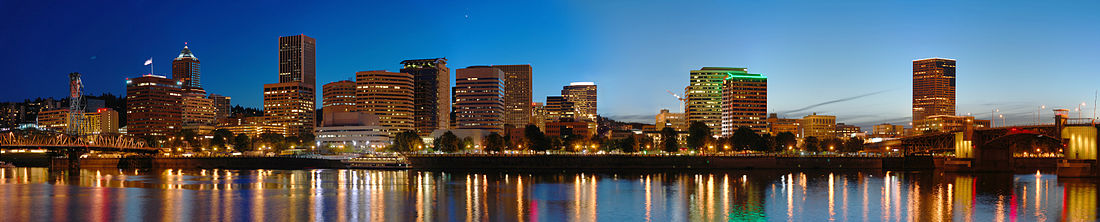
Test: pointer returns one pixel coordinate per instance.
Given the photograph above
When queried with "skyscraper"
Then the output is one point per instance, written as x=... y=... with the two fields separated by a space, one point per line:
x=290 y=106
x=517 y=95
x=388 y=95
x=744 y=101
x=297 y=59
x=291 y=103
x=558 y=108
x=185 y=68
x=933 y=88
x=479 y=98
x=704 y=97
x=432 y=93
x=338 y=96
x=198 y=112
x=539 y=115
x=153 y=106
x=222 y=107
x=583 y=97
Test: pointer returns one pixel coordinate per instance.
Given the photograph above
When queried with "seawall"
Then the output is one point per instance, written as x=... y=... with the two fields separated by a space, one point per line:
x=204 y=163
x=535 y=161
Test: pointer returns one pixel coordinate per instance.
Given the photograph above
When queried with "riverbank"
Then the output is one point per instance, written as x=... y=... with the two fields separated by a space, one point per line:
x=529 y=162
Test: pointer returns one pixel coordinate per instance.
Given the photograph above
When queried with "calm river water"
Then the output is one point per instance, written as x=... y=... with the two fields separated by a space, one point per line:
x=34 y=194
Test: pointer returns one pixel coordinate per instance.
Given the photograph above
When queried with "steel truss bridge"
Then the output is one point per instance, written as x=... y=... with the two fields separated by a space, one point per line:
x=65 y=143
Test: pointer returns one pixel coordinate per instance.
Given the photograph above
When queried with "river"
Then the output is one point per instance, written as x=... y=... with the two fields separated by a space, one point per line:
x=36 y=194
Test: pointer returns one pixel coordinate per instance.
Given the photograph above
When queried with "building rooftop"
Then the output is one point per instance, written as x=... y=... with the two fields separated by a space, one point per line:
x=186 y=53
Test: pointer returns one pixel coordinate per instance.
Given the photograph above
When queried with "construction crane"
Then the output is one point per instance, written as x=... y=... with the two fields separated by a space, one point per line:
x=681 y=99
x=76 y=110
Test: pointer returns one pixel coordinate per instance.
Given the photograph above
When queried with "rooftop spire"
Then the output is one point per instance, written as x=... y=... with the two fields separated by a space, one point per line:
x=186 y=53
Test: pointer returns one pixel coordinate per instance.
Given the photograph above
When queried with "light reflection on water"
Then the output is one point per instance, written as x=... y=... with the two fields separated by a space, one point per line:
x=379 y=195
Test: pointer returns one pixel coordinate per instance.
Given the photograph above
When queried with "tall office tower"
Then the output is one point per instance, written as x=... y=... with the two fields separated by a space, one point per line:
x=388 y=95
x=297 y=59
x=704 y=97
x=290 y=107
x=153 y=106
x=538 y=115
x=517 y=95
x=222 y=107
x=559 y=109
x=338 y=96
x=479 y=98
x=744 y=101
x=185 y=68
x=291 y=103
x=933 y=88
x=432 y=97
x=198 y=112
x=583 y=97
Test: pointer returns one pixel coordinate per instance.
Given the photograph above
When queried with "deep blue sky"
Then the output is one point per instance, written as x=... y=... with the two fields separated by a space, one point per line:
x=1012 y=55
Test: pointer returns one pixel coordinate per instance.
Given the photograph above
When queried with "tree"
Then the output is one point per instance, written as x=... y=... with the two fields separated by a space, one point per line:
x=698 y=133
x=190 y=137
x=406 y=141
x=494 y=142
x=447 y=142
x=242 y=142
x=784 y=140
x=645 y=143
x=744 y=139
x=151 y=141
x=221 y=137
x=467 y=143
x=853 y=145
x=272 y=140
x=628 y=144
x=307 y=139
x=765 y=143
x=811 y=144
x=831 y=144
x=668 y=140
x=535 y=139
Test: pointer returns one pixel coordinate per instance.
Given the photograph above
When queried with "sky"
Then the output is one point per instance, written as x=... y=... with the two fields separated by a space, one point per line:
x=852 y=58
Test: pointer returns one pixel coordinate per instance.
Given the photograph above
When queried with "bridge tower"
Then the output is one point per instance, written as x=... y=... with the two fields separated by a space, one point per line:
x=76 y=118
x=76 y=108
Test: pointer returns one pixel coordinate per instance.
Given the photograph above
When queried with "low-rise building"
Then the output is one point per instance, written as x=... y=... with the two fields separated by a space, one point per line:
x=252 y=126
x=948 y=123
x=778 y=125
x=665 y=118
x=359 y=130
x=846 y=131
x=888 y=130
x=819 y=126
x=570 y=128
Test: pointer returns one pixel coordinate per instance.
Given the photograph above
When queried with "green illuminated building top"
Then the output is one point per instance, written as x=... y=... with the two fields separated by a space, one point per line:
x=706 y=100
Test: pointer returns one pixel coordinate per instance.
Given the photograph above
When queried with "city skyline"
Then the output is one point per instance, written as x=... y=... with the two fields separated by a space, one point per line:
x=865 y=58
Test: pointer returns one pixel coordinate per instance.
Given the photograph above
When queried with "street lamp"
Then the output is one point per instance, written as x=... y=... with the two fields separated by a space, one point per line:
x=1002 y=118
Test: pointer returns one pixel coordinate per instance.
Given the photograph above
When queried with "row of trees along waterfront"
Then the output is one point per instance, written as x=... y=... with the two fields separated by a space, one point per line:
x=698 y=139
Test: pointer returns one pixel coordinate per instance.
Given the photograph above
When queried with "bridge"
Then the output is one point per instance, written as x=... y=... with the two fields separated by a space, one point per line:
x=73 y=146
x=1072 y=140
x=62 y=142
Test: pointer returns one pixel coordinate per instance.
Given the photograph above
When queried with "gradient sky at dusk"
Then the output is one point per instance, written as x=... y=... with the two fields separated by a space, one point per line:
x=1012 y=55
